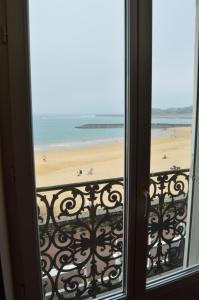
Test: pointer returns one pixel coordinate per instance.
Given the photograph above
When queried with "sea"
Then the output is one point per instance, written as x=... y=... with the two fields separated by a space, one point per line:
x=58 y=132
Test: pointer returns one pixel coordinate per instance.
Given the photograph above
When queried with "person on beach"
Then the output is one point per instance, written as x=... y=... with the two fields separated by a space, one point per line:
x=44 y=158
x=79 y=173
x=173 y=167
x=90 y=172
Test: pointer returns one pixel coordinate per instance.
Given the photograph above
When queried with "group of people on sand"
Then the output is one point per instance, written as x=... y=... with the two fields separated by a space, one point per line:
x=89 y=172
x=174 y=167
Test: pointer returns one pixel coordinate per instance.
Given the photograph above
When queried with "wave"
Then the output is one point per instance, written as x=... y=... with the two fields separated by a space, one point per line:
x=76 y=144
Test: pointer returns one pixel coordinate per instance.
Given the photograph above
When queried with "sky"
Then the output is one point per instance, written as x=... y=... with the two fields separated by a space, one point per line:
x=78 y=53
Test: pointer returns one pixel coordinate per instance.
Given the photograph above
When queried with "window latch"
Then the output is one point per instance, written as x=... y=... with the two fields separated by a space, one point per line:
x=147 y=201
x=4 y=34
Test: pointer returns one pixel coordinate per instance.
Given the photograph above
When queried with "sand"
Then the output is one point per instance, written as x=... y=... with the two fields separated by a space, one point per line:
x=107 y=160
x=176 y=147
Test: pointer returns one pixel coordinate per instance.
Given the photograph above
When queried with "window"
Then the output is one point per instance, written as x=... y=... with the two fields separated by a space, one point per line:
x=174 y=33
x=93 y=228
x=78 y=102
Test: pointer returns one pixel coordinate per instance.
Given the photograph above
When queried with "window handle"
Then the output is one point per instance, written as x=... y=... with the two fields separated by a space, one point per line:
x=147 y=201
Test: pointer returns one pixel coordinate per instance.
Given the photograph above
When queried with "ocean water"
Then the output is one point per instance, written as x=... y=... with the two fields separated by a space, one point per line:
x=59 y=131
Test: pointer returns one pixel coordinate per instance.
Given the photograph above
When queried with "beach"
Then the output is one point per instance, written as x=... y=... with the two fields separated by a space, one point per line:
x=106 y=160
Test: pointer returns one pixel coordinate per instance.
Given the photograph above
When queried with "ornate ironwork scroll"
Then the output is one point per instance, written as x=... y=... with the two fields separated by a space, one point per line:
x=81 y=233
x=167 y=221
x=81 y=238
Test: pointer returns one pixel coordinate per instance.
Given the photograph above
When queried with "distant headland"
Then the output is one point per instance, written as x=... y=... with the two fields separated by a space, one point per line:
x=172 y=112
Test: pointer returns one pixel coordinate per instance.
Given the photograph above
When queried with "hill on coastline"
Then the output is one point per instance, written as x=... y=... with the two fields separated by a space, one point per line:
x=172 y=112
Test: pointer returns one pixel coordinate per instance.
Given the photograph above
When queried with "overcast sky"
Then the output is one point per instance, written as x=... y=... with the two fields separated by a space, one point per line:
x=77 y=55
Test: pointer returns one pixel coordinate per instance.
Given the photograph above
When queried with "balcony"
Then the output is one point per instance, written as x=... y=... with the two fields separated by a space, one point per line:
x=81 y=233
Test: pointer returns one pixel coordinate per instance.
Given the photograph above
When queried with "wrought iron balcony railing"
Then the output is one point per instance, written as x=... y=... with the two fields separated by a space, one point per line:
x=167 y=220
x=81 y=233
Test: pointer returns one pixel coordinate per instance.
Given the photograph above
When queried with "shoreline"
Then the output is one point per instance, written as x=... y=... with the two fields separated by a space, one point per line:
x=107 y=159
x=120 y=125
x=72 y=145
x=158 y=130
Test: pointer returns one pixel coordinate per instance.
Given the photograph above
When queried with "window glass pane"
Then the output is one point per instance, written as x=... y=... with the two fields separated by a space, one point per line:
x=78 y=99
x=171 y=135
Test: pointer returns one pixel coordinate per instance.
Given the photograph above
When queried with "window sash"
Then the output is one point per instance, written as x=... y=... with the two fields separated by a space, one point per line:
x=18 y=149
